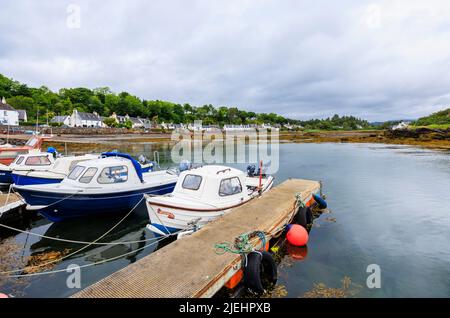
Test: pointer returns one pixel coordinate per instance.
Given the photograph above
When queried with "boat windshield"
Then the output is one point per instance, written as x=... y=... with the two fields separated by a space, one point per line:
x=19 y=160
x=230 y=186
x=76 y=172
x=88 y=175
x=192 y=182
x=116 y=174
x=37 y=161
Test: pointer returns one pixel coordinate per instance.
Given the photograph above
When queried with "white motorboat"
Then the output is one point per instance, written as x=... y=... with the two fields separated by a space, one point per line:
x=34 y=160
x=201 y=195
x=52 y=173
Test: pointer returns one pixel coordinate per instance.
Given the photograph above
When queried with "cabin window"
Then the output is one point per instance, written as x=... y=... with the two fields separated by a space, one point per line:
x=230 y=186
x=192 y=182
x=115 y=174
x=88 y=175
x=37 y=161
x=19 y=160
x=76 y=172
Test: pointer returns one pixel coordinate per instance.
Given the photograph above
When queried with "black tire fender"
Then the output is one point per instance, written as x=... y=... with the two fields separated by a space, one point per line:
x=304 y=217
x=259 y=266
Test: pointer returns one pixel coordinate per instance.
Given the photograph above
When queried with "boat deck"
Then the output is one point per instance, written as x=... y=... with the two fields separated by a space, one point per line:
x=190 y=267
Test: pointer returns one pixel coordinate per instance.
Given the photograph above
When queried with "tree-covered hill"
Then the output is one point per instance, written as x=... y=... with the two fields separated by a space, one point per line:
x=440 y=118
x=103 y=101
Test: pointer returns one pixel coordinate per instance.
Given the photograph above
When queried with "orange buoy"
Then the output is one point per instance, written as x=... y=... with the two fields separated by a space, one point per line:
x=296 y=252
x=297 y=235
x=3 y=295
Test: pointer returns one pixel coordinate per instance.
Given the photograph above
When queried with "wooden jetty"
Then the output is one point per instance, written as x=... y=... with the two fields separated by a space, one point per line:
x=10 y=202
x=190 y=267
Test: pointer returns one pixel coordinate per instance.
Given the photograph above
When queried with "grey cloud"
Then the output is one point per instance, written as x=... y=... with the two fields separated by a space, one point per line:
x=303 y=59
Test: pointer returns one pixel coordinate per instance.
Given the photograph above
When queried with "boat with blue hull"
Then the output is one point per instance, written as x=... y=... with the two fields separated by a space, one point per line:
x=62 y=167
x=5 y=175
x=108 y=185
x=35 y=160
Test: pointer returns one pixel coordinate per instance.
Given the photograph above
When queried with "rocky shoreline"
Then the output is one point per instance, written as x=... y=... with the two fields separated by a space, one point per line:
x=424 y=137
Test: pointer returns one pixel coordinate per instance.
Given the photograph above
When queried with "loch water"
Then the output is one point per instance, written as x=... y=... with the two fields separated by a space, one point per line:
x=389 y=206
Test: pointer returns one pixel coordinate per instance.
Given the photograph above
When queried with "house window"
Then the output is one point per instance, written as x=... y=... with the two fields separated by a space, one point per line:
x=88 y=175
x=115 y=174
x=192 y=182
x=230 y=186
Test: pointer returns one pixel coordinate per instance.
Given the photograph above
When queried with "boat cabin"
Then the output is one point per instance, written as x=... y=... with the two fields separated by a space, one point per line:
x=64 y=165
x=111 y=172
x=212 y=183
x=33 y=160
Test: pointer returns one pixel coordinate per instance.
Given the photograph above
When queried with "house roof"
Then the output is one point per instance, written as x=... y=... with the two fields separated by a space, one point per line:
x=5 y=106
x=22 y=114
x=88 y=116
x=135 y=120
x=59 y=119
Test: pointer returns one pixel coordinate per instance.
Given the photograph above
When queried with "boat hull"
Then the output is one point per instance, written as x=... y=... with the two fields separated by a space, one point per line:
x=5 y=177
x=169 y=220
x=61 y=206
x=30 y=180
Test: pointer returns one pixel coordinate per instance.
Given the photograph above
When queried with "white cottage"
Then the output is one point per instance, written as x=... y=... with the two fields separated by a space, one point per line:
x=8 y=115
x=63 y=120
x=79 y=119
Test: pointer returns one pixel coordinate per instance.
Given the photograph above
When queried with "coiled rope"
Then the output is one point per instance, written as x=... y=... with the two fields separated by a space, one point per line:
x=242 y=244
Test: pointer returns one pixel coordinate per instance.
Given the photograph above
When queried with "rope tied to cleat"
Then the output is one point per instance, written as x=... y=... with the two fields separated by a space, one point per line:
x=242 y=244
x=298 y=201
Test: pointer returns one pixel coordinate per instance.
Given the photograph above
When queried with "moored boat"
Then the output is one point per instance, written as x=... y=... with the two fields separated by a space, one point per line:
x=10 y=152
x=201 y=195
x=53 y=173
x=34 y=160
x=112 y=184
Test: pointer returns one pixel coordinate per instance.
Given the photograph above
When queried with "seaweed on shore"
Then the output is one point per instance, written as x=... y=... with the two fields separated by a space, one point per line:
x=320 y=290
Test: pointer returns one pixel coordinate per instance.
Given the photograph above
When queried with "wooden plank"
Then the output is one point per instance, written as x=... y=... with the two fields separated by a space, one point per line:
x=9 y=202
x=190 y=267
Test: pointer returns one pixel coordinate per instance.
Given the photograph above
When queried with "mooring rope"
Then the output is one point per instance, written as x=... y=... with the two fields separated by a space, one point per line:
x=70 y=241
x=84 y=247
x=95 y=263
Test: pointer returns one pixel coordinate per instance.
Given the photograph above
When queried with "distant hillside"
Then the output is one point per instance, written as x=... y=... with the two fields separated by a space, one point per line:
x=439 y=118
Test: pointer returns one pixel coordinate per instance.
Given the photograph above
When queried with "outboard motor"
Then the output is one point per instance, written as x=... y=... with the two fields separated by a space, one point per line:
x=251 y=171
x=142 y=159
x=53 y=151
x=185 y=165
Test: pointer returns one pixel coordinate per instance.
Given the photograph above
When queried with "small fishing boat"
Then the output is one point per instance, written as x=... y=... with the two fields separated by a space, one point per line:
x=9 y=152
x=111 y=184
x=201 y=195
x=34 y=160
x=53 y=173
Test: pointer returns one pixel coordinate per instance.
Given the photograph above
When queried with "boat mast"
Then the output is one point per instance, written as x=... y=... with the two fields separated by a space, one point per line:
x=37 y=120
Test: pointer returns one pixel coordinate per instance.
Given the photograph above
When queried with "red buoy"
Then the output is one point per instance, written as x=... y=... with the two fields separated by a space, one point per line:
x=297 y=235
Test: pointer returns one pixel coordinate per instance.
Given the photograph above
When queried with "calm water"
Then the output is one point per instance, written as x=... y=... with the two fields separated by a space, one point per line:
x=389 y=206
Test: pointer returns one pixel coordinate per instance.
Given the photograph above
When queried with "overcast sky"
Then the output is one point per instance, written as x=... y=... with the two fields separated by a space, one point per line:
x=377 y=59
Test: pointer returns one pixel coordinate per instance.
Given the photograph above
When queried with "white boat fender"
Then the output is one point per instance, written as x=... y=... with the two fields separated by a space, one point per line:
x=252 y=271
